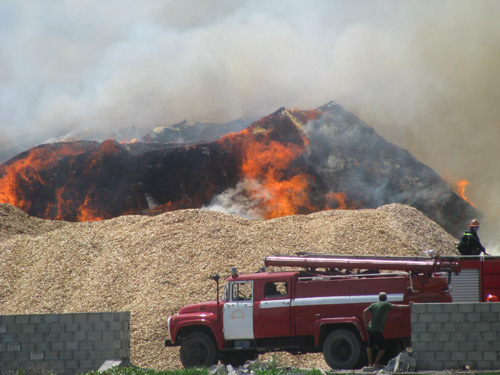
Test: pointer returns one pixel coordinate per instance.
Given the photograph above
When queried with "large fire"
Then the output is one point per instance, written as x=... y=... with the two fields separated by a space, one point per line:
x=290 y=162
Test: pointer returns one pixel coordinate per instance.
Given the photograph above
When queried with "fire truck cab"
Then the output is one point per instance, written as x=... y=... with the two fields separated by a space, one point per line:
x=316 y=309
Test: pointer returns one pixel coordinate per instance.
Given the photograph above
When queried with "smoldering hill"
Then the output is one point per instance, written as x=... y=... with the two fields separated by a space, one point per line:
x=290 y=162
x=153 y=265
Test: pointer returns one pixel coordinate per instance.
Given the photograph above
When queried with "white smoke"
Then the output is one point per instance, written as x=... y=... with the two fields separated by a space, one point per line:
x=423 y=74
x=239 y=200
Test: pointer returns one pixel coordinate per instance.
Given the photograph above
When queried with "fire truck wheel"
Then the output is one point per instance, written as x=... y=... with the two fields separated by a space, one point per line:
x=342 y=349
x=198 y=350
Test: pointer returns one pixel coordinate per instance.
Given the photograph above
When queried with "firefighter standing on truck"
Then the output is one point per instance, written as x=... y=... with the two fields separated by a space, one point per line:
x=469 y=243
x=376 y=326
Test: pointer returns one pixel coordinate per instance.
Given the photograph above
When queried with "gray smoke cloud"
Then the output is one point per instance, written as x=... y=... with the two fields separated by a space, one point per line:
x=424 y=74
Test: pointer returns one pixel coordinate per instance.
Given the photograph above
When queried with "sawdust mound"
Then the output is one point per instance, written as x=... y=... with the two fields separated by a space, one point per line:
x=152 y=266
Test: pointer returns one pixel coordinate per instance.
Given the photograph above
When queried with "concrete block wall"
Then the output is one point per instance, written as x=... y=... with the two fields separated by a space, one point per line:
x=63 y=343
x=455 y=335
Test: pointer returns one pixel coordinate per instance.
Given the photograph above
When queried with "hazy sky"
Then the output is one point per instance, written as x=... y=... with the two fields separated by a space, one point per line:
x=424 y=74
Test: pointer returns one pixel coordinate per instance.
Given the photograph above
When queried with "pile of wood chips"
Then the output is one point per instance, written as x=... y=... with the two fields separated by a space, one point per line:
x=154 y=265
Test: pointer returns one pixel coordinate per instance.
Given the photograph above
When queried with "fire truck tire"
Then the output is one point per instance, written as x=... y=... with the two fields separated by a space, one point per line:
x=342 y=349
x=198 y=350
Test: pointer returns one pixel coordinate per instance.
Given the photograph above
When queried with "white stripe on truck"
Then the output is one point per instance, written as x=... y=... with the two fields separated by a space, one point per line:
x=330 y=300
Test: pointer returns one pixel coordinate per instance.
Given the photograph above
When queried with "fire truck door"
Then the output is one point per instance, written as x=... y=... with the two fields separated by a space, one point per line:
x=272 y=316
x=238 y=312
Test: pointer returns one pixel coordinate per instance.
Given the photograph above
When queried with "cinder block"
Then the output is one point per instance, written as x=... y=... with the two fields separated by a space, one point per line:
x=51 y=318
x=95 y=317
x=71 y=365
x=100 y=326
x=108 y=317
x=451 y=346
x=466 y=307
x=94 y=335
x=435 y=308
x=484 y=346
x=3 y=328
x=13 y=347
x=492 y=336
x=65 y=354
x=57 y=345
x=51 y=355
x=457 y=317
x=481 y=307
x=485 y=365
x=71 y=345
x=418 y=327
x=473 y=317
x=442 y=336
x=37 y=337
x=452 y=365
x=71 y=327
x=80 y=336
x=66 y=336
x=8 y=338
x=103 y=345
x=419 y=347
x=442 y=318
x=82 y=317
x=42 y=327
x=450 y=308
x=442 y=356
x=8 y=319
x=86 y=345
x=66 y=318
x=450 y=327
x=435 y=327
x=37 y=319
x=57 y=327
x=419 y=308
x=482 y=327
x=28 y=328
x=22 y=319
x=108 y=335
x=466 y=346
x=474 y=356
x=474 y=336
x=489 y=317
x=426 y=318
x=80 y=354
x=491 y=355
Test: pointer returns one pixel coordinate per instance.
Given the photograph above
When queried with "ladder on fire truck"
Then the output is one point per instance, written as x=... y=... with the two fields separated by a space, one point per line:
x=472 y=278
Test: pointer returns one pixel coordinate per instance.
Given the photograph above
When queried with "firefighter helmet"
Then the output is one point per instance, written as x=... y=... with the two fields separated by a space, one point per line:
x=474 y=223
x=491 y=298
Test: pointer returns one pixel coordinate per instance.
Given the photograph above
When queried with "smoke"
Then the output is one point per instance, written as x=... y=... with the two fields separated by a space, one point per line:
x=424 y=74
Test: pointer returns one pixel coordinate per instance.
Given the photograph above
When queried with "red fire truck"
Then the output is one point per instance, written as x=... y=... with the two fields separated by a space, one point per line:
x=318 y=308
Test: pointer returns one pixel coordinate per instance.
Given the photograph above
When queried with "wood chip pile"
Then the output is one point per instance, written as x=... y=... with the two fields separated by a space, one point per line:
x=153 y=265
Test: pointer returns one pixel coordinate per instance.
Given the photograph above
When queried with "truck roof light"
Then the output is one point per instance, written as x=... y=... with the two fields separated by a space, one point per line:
x=234 y=271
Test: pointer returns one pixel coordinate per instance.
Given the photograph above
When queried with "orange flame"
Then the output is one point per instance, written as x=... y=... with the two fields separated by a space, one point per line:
x=26 y=171
x=460 y=189
x=337 y=200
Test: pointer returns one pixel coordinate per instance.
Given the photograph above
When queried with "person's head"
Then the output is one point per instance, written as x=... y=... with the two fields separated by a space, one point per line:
x=474 y=224
x=382 y=296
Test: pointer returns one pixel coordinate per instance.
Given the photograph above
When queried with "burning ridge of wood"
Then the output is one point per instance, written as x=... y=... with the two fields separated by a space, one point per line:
x=290 y=162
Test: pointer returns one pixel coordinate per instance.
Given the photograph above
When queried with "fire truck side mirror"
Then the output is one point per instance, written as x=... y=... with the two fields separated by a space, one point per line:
x=215 y=277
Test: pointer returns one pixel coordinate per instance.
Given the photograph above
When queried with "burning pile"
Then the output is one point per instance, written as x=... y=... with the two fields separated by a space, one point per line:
x=153 y=265
x=290 y=162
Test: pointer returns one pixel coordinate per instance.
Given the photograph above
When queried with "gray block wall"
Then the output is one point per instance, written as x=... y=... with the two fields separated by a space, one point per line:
x=455 y=335
x=63 y=343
